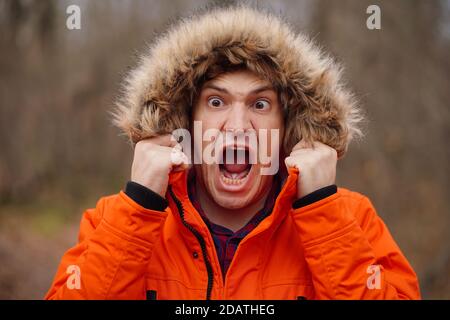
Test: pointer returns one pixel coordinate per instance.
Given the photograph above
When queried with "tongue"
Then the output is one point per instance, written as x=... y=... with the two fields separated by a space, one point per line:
x=235 y=168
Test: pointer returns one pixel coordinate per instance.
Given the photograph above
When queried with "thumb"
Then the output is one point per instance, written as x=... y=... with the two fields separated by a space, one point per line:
x=290 y=163
x=179 y=160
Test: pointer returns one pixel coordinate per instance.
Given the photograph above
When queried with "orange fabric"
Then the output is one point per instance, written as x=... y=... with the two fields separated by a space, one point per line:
x=320 y=251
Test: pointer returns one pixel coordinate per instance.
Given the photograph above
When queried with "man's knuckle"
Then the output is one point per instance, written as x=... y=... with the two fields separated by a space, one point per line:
x=333 y=154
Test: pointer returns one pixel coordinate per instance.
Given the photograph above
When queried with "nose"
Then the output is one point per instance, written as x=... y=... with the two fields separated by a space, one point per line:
x=238 y=118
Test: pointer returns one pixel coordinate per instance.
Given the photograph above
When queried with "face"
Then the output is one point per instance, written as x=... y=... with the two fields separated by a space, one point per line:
x=236 y=105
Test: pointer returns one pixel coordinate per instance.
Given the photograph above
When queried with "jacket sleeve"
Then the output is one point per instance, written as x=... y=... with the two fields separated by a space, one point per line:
x=116 y=241
x=350 y=252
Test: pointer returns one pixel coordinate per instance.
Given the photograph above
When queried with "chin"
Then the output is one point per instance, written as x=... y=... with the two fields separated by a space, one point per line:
x=235 y=194
x=232 y=203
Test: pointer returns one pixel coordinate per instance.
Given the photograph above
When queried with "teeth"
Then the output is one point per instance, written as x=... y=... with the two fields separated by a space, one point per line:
x=233 y=178
x=231 y=181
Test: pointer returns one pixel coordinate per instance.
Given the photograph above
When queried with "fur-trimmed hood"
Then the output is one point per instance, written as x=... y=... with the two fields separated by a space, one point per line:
x=159 y=92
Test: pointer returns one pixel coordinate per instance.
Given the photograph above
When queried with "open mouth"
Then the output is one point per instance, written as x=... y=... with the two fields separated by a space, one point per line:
x=235 y=165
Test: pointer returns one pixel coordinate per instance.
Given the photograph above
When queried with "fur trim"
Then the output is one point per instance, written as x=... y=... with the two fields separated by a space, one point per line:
x=158 y=93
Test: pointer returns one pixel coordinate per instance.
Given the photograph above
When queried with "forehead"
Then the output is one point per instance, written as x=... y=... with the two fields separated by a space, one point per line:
x=241 y=82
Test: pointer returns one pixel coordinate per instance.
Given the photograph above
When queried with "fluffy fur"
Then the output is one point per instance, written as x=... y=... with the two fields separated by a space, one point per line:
x=158 y=94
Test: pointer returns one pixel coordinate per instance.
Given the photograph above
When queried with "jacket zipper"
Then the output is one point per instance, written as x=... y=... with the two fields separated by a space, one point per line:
x=200 y=240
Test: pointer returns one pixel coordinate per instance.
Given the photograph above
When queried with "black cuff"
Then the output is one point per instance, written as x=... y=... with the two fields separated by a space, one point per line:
x=145 y=197
x=315 y=196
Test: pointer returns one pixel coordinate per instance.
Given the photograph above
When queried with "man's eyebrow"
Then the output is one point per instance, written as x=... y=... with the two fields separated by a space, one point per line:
x=212 y=86
x=261 y=89
x=257 y=90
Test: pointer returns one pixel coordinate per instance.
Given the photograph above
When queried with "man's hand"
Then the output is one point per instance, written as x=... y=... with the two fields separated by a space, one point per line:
x=316 y=164
x=154 y=159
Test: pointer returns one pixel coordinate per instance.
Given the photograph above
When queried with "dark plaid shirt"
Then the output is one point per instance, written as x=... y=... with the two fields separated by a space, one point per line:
x=225 y=240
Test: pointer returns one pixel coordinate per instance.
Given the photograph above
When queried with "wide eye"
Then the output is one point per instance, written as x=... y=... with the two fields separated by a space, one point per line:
x=262 y=105
x=215 y=102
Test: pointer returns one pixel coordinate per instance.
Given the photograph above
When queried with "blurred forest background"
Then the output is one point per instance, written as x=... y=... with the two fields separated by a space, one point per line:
x=59 y=153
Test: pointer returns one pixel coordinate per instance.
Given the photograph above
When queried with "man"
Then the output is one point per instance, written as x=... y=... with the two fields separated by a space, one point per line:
x=219 y=228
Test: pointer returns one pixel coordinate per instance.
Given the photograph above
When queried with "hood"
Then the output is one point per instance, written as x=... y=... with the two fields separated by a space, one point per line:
x=158 y=93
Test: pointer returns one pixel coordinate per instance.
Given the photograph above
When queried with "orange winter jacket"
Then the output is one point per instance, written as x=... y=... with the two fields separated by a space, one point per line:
x=336 y=248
